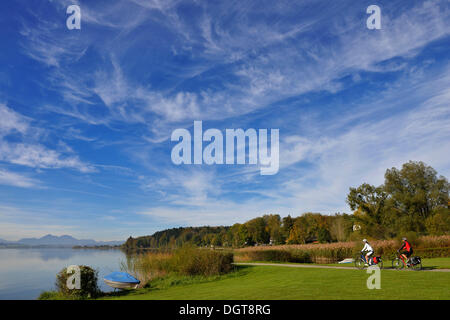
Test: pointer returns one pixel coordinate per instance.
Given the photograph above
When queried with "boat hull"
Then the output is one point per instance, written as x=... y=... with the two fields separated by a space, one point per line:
x=121 y=285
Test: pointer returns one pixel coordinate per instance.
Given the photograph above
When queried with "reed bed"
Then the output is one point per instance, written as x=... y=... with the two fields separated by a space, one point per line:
x=185 y=261
x=147 y=266
x=427 y=247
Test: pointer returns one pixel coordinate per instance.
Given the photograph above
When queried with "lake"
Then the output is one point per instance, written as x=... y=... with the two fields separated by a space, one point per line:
x=25 y=273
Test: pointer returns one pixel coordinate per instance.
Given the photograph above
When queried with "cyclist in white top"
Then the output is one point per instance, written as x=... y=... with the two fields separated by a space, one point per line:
x=368 y=250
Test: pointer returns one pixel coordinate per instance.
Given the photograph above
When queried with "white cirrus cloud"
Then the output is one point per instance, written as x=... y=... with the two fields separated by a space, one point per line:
x=17 y=180
x=26 y=150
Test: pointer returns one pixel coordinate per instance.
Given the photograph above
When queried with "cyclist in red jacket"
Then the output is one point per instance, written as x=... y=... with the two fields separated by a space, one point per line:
x=407 y=250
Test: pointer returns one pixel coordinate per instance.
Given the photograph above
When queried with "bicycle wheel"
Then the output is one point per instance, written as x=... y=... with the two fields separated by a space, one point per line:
x=359 y=264
x=397 y=264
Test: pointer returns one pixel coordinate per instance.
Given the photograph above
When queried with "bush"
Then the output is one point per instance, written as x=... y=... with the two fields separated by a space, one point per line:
x=50 y=295
x=88 y=284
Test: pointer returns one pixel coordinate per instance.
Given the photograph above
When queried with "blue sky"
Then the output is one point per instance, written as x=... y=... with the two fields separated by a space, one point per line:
x=86 y=115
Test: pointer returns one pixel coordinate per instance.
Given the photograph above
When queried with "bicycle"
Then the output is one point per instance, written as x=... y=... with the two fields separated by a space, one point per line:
x=360 y=262
x=399 y=263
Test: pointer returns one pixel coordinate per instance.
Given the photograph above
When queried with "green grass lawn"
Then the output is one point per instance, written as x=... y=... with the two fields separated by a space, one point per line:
x=438 y=263
x=273 y=282
x=428 y=264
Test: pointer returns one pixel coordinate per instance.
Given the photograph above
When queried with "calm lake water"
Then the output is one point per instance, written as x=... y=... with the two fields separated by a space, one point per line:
x=25 y=273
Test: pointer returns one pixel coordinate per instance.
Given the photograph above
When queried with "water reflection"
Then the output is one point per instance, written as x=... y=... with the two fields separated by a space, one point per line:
x=25 y=273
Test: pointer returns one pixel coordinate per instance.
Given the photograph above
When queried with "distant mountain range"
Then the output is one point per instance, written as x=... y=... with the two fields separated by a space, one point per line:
x=59 y=241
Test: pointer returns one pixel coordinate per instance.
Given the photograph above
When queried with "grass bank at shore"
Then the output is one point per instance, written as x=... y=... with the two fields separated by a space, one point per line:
x=281 y=283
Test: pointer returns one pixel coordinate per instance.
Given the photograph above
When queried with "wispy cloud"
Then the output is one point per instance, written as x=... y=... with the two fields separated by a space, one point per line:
x=16 y=180
x=262 y=64
x=27 y=151
x=38 y=156
x=11 y=121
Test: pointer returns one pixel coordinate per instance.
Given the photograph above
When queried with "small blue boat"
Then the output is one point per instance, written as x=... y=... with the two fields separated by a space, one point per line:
x=121 y=280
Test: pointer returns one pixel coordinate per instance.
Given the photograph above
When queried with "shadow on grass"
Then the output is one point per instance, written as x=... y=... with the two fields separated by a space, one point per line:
x=242 y=269
x=430 y=267
x=117 y=293
x=427 y=268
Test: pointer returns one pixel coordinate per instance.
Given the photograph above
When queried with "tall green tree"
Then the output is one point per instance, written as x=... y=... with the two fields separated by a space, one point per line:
x=244 y=236
x=257 y=230
x=286 y=225
x=439 y=223
x=416 y=193
x=368 y=202
x=273 y=228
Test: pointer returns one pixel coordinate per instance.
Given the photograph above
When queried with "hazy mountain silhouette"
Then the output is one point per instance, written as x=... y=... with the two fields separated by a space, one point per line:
x=64 y=240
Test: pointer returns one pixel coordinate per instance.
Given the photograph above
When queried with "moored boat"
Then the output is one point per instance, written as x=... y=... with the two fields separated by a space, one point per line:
x=121 y=280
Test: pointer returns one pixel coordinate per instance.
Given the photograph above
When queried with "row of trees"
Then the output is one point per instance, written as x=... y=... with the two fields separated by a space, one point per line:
x=412 y=199
x=268 y=229
x=176 y=237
